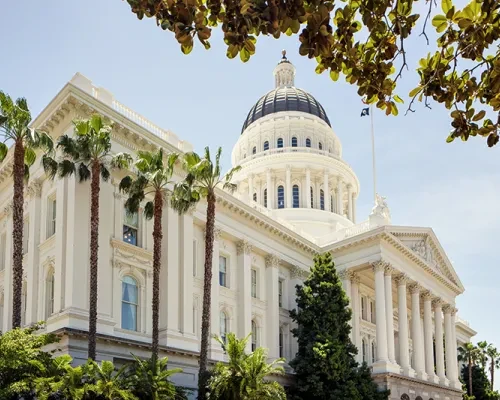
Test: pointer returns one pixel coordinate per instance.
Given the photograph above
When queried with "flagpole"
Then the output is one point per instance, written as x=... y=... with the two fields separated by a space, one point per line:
x=373 y=156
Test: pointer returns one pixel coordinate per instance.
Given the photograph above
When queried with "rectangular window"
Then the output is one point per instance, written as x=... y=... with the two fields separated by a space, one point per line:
x=363 y=308
x=280 y=293
x=223 y=271
x=26 y=235
x=254 y=283
x=51 y=216
x=3 y=244
x=372 y=311
x=130 y=227
x=195 y=256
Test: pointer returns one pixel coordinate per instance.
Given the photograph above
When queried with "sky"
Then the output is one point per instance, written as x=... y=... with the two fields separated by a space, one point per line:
x=204 y=98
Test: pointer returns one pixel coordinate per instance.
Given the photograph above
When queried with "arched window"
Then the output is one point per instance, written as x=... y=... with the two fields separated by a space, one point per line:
x=294 y=141
x=282 y=343
x=130 y=303
x=279 y=143
x=254 y=197
x=308 y=142
x=419 y=398
x=266 y=145
x=254 y=150
x=265 y=197
x=295 y=192
x=49 y=295
x=312 y=197
x=320 y=146
x=223 y=326
x=374 y=355
x=404 y=396
x=363 y=345
x=254 y=336
x=281 y=197
x=321 y=199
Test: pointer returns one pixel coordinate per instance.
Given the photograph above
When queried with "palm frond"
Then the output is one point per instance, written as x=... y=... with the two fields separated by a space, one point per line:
x=121 y=161
x=29 y=156
x=149 y=211
x=68 y=146
x=125 y=184
x=105 y=174
x=84 y=173
x=3 y=151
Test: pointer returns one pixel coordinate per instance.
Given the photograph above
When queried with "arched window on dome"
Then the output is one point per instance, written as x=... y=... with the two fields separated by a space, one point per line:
x=266 y=145
x=254 y=197
x=223 y=326
x=294 y=141
x=130 y=303
x=279 y=144
x=254 y=150
x=321 y=199
x=254 y=335
x=312 y=197
x=320 y=146
x=265 y=197
x=295 y=195
x=308 y=142
x=281 y=197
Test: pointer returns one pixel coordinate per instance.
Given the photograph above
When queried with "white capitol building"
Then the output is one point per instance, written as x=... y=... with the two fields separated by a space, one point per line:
x=296 y=197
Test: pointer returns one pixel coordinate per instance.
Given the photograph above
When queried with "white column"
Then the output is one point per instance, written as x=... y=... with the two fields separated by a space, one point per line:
x=381 y=325
x=288 y=187
x=438 y=321
x=215 y=349
x=416 y=332
x=340 y=197
x=345 y=277
x=269 y=188
x=187 y=273
x=349 y=202
x=61 y=244
x=250 y=187
x=7 y=290
x=326 y=189
x=451 y=361
x=271 y=194
x=404 y=348
x=272 y=311
x=354 y=207
x=308 y=188
x=454 y=348
x=428 y=338
x=389 y=313
x=317 y=192
x=172 y=250
x=356 y=316
x=244 y=251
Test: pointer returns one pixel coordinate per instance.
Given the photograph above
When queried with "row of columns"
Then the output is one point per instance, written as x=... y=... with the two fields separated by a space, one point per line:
x=423 y=337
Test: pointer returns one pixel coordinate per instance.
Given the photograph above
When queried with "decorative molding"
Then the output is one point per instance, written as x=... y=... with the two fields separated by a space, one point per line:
x=243 y=247
x=402 y=279
x=132 y=253
x=379 y=266
x=437 y=304
x=273 y=261
x=447 y=309
x=34 y=189
x=427 y=296
x=414 y=288
x=297 y=272
x=345 y=274
x=454 y=311
x=389 y=270
x=355 y=279
x=8 y=209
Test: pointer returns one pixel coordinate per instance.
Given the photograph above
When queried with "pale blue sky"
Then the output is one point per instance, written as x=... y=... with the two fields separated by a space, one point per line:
x=204 y=98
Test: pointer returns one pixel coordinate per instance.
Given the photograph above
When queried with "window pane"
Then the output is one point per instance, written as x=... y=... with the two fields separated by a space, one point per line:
x=280 y=143
x=131 y=219
x=254 y=150
x=281 y=197
x=312 y=198
x=129 y=290
x=222 y=271
x=223 y=326
x=308 y=142
x=129 y=316
x=266 y=145
x=294 y=142
x=254 y=197
x=265 y=197
x=295 y=196
x=254 y=283
x=130 y=235
x=320 y=145
x=322 y=199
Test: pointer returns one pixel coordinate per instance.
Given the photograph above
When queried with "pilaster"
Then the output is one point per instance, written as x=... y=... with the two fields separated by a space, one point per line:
x=272 y=311
x=244 y=253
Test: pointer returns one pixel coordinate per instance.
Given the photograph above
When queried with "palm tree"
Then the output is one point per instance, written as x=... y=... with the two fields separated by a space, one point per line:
x=107 y=384
x=154 y=174
x=244 y=376
x=469 y=354
x=482 y=348
x=202 y=178
x=14 y=128
x=494 y=356
x=89 y=155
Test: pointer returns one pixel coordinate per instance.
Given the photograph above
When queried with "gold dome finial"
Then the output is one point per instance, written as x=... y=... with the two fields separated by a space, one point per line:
x=284 y=54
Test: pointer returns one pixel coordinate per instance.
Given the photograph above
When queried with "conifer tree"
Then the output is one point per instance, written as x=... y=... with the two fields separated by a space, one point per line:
x=324 y=365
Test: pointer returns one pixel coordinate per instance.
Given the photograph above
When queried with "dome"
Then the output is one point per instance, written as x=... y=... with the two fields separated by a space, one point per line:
x=285 y=98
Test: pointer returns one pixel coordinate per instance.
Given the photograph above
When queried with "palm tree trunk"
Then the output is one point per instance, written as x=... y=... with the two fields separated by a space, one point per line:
x=157 y=238
x=17 y=234
x=207 y=295
x=470 y=376
x=94 y=252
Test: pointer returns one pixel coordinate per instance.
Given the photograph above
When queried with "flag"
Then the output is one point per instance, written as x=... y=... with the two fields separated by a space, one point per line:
x=365 y=111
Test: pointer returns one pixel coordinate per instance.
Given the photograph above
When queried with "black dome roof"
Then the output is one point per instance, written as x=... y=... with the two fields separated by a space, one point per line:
x=285 y=98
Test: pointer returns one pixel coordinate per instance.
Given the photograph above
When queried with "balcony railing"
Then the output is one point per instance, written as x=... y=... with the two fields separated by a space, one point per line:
x=269 y=152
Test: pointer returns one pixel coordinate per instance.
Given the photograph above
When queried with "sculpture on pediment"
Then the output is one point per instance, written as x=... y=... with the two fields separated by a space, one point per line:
x=380 y=214
x=420 y=248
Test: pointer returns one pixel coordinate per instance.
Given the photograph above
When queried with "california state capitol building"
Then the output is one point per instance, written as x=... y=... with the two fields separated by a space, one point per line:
x=296 y=197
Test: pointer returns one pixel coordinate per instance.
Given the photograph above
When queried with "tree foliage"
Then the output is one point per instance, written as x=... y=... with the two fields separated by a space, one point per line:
x=364 y=40
x=243 y=377
x=325 y=367
x=481 y=389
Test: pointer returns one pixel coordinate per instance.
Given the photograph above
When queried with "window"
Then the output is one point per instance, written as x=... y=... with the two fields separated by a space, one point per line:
x=280 y=293
x=281 y=197
x=223 y=271
x=374 y=356
x=363 y=308
x=49 y=294
x=195 y=256
x=223 y=326
x=3 y=244
x=294 y=141
x=254 y=197
x=331 y=203
x=254 y=283
x=266 y=145
x=130 y=303
x=265 y=197
x=281 y=342
x=51 y=217
x=363 y=345
x=321 y=199
x=279 y=143
x=254 y=150
x=308 y=142
x=254 y=336
x=295 y=192
x=130 y=227
x=372 y=312
x=26 y=235
x=320 y=146
x=312 y=197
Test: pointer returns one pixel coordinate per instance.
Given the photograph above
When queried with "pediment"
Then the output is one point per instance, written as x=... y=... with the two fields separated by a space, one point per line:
x=424 y=244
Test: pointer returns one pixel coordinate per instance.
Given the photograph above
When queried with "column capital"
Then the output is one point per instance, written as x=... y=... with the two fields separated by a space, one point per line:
x=447 y=308
x=297 y=272
x=454 y=311
x=8 y=209
x=345 y=274
x=355 y=278
x=437 y=304
x=272 y=260
x=243 y=247
x=35 y=188
x=402 y=279
x=427 y=295
x=414 y=288
x=378 y=266
x=388 y=270
x=349 y=187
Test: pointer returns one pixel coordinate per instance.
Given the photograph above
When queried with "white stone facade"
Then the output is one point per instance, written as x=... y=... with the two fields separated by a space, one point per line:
x=264 y=245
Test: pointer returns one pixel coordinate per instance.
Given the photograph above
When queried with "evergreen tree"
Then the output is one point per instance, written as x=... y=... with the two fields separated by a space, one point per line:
x=324 y=365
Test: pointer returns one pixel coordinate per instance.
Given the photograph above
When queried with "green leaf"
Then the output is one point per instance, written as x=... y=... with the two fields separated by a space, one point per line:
x=446 y=5
x=480 y=115
x=334 y=75
x=415 y=91
x=440 y=23
x=244 y=54
x=3 y=151
x=450 y=138
x=398 y=99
